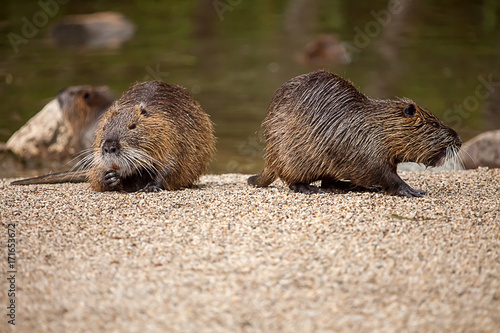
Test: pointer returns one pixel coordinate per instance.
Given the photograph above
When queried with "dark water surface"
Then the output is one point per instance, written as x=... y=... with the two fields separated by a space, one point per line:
x=444 y=55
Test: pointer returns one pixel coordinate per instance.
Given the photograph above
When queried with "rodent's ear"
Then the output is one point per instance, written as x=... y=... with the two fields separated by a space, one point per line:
x=409 y=111
x=141 y=110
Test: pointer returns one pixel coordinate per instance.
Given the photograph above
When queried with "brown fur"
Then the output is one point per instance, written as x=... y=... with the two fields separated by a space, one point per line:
x=82 y=107
x=155 y=137
x=171 y=134
x=320 y=127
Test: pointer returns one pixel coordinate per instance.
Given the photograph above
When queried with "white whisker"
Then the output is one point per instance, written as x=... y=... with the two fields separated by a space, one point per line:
x=135 y=160
x=87 y=161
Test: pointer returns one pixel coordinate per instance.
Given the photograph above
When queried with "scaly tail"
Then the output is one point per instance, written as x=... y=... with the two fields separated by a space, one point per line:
x=80 y=176
x=263 y=179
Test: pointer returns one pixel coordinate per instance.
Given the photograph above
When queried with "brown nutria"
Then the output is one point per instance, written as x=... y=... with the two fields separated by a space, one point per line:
x=320 y=127
x=155 y=137
x=64 y=127
x=82 y=107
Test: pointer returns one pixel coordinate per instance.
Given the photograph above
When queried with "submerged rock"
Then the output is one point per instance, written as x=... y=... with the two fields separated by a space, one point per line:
x=99 y=30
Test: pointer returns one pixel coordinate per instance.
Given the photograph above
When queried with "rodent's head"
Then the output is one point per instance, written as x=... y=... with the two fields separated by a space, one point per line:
x=416 y=135
x=82 y=105
x=131 y=136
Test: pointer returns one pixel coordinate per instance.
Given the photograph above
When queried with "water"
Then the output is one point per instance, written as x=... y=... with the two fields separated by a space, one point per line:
x=442 y=54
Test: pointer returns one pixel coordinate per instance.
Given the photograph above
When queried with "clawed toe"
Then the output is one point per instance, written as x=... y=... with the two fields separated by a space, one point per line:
x=410 y=192
x=150 y=188
x=111 y=178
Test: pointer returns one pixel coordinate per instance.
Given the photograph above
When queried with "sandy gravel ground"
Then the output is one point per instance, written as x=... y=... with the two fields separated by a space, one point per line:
x=225 y=257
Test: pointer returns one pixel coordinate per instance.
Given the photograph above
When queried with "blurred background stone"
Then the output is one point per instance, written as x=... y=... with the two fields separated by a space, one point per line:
x=482 y=151
x=99 y=30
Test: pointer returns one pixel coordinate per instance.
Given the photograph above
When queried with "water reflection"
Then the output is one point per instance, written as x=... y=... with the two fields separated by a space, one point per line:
x=233 y=58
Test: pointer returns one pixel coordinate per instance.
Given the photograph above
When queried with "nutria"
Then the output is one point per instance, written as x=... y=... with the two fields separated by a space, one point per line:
x=155 y=137
x=82 y=107
x=320 y=127
x=64 y=127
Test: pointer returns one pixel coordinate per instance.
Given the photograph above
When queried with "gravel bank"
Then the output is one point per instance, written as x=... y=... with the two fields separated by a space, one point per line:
x=225 y=257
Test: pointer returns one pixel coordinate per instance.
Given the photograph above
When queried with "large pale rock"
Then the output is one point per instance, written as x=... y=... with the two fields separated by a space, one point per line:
x=45 y=136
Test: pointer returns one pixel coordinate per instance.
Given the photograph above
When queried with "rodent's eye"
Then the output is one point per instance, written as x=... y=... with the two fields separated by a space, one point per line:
x=86 y=96
x=434 y=124
x=409 y=111
x=132 y=126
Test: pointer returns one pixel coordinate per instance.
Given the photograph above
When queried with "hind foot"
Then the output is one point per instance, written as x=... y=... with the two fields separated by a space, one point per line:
x=304 y=188
x=150 y=188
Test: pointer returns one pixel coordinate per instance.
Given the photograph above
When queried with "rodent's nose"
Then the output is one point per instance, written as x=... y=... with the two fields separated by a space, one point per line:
x=458 y=141
x=110 y=146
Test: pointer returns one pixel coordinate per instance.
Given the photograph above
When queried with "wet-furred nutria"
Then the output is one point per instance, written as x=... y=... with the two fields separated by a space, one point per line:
x=320 y=127
x=64 y=127
x=82 y=107
x=155 y=137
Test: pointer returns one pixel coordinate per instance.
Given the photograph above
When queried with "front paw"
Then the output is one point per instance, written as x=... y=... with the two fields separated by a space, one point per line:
x=111 y=178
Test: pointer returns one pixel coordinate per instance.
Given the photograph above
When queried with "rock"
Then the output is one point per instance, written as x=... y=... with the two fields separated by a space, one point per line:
x=107 y=30
x=45 y=136
x=482 y=151
x=10 y=164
